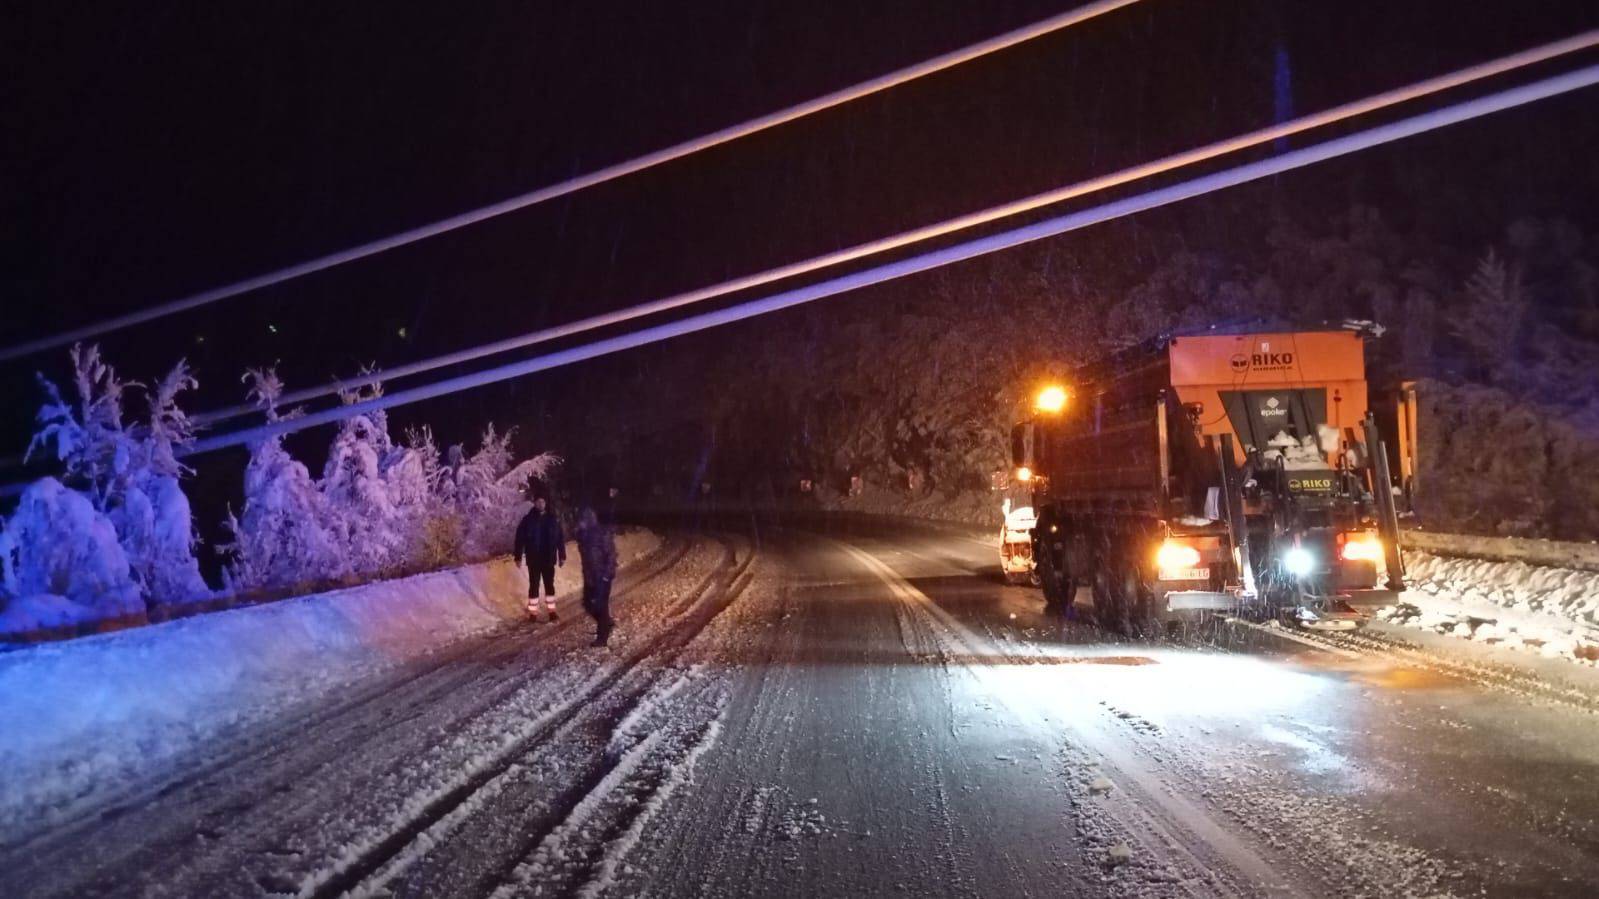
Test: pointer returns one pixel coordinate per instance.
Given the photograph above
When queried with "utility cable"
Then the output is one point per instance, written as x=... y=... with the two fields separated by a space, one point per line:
x=572 y=185
x=1256 y=138
x=1242 y=174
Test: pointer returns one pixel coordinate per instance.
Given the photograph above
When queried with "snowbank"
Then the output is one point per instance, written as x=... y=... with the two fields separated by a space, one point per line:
x=85 y=720
x=1553 y=553
x=1544 y=609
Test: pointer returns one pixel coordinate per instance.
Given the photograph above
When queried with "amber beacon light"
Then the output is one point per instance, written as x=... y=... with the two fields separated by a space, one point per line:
x=1051 y=399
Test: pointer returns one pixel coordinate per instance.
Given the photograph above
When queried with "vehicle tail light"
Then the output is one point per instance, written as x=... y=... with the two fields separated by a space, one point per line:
x=1176 y=556
x=1361 y=546
x=1176 y=560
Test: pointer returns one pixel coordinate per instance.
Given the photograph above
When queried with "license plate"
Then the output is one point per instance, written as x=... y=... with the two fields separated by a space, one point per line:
x=1185 y=574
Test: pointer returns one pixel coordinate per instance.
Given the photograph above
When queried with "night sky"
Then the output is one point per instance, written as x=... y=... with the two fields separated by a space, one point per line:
x=163 y=150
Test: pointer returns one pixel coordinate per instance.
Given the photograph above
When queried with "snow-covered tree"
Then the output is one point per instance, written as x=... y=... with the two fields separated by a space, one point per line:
x=437 y=529
x=488 y=490
x=410 y=475
x=380 y=495
x=89 y=438
x=285 y=536
x=476 y=476
x=148 y=506
x=361 y=510
x=379 y=508
x=129 y=474
x=62 y=563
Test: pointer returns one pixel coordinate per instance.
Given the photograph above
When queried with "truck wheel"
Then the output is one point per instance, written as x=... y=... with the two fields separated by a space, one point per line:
x=1123 y=601
x=1138 y=600
x=1052 y=575
x=1107 y=594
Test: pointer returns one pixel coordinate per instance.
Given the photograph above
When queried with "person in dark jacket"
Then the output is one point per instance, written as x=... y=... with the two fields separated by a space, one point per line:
x=539 y=539
x=597 y=547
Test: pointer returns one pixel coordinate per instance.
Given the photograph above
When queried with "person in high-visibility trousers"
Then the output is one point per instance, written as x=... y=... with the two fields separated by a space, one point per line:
x=539 y=539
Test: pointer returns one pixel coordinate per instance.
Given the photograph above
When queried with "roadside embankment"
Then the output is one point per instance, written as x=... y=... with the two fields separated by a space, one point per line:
x=85 y=719
x=1551 y=610
x=1552 y=553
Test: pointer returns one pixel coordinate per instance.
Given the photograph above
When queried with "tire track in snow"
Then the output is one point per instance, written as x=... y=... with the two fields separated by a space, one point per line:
x=771 y=813
x=1361 y=851
x=427 y=822
x=920 y=641
x=623 y=845
x=135 y=841
x=352 y=809
x=585 y=853
x=1268 y=803
x=740 y=807
x=277 y=739
x=298 y=821
x=584 y=849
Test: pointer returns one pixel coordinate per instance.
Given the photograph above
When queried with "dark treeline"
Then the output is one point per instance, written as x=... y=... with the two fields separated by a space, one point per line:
x=912 y=385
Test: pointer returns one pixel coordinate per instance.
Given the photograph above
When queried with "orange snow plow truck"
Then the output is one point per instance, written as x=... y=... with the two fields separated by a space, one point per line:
x=1238 y=473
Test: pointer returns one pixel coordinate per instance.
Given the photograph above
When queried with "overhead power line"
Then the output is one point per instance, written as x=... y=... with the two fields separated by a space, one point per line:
x=1188 y=157
x=1330 y=149
x=572 y=185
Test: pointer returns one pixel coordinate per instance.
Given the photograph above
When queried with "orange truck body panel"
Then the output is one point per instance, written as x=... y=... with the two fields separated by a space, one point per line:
x=1204 y=366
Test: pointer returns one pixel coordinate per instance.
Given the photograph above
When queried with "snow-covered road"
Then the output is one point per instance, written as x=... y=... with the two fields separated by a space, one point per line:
x=871 y=712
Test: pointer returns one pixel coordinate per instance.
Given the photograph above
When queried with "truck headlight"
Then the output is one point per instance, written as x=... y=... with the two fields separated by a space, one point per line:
x=1299 y=561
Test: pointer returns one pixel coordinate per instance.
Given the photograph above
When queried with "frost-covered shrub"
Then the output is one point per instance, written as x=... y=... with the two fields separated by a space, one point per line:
x=440 y=542
x=487 y=488
x=363 y=511
x=60 y=556
x=88 y=436
x=285 y=536
x=380 y=508
x=149 y=507
x=155 y=526
x=129 y=473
